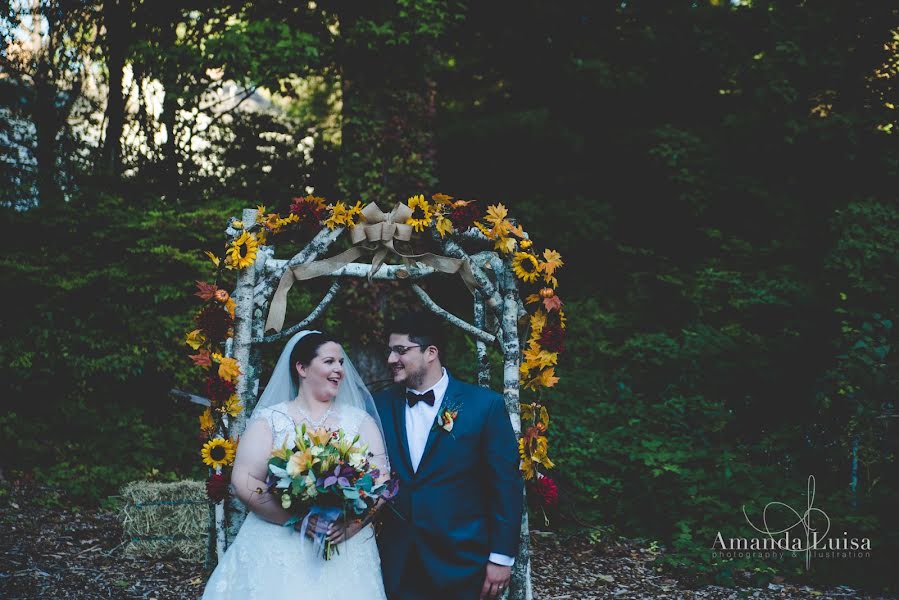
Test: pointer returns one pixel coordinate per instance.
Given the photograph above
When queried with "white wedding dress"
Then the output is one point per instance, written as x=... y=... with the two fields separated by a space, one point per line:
x=271 y=562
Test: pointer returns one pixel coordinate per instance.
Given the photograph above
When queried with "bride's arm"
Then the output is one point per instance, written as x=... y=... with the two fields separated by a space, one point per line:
x=249 y=473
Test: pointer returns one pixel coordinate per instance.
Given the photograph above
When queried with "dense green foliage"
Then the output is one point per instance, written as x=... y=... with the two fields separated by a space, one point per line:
x=719 y=178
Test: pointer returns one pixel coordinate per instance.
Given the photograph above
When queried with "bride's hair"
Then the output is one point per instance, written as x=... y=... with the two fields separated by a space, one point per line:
x=305 y=350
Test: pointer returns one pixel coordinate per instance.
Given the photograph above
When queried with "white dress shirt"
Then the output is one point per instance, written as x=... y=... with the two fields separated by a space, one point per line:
x=419 y=421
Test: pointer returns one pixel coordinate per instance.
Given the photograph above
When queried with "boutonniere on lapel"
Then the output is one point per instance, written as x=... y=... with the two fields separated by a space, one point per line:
x=447 y=416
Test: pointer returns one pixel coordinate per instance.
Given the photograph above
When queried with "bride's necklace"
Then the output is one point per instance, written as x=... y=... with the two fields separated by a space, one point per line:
x=315 y=424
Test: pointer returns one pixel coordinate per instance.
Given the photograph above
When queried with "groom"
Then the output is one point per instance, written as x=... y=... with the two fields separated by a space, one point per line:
x=460 y=491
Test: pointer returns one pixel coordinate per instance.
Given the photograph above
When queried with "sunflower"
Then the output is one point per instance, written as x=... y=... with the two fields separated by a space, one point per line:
x=422 y=213
x=354 y=215
x=218 y=452
x=242 y=251
x=526 y=267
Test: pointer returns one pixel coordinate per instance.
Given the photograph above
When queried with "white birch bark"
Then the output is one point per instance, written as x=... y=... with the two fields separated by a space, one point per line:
x=235 y=511
x=520 y=586
x=386 y=272
x=480 y=346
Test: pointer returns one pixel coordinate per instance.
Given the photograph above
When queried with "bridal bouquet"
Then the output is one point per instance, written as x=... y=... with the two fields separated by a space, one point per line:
x=329 y=475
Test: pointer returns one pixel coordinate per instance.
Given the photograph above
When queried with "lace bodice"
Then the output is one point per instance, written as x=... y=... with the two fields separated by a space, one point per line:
x=283 y=426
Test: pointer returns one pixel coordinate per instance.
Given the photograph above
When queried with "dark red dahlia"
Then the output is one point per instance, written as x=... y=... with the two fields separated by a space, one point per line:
x=552 y=338
x=217 y=487
x=545 y=492
x=214 y=321
x=464 y=217
x=217 y=389
x=310 y=214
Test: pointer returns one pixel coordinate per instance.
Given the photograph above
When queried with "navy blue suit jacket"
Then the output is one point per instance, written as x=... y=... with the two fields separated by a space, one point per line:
x=465 y=500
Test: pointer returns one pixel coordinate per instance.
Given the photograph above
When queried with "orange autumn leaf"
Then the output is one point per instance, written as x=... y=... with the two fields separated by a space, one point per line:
x=205 y=291
x=203 y=359
x=554 y=303
x=552 y=261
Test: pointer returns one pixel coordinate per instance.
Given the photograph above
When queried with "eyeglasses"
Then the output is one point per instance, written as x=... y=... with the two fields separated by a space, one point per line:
x=400 y=350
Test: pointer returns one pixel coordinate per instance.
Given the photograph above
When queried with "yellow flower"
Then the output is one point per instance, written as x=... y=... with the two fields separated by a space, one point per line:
x=260 y=213
x=215 y=259
x=218 y=452
x=444 y=225
x=260 y=237
x=422 y=213
x=299 y=462
x=525 y=244
x=242 y=251
x=207 y=424
x=526 y=267
x=319 y=437
x=195 y=339
x=237 y=224
x=233 y=406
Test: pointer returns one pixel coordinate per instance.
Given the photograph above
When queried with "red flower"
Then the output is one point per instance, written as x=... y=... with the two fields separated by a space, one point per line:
x=218 y=390
x=464 y=216
x=214 y=321
x=552 y=338
x=545 y=492
x=311 y=214
x=217 y=487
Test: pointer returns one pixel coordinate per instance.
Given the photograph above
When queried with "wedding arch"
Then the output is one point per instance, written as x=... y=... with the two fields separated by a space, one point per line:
x=491 y=253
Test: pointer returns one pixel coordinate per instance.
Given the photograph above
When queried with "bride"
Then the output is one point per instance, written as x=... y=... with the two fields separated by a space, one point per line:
x=313 y=383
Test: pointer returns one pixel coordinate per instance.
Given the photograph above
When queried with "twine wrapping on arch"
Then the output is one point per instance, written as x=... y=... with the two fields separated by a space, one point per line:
x=380 y=229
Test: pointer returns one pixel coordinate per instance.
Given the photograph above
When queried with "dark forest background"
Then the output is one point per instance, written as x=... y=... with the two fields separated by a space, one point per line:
x=719 y=177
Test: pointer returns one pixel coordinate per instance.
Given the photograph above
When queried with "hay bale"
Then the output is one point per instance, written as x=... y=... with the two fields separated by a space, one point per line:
x=162 y=520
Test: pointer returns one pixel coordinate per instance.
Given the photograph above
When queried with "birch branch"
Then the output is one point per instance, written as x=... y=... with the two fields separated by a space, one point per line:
x=316 y=247
x=388 y=272
x=316 y=312
x=494 y=301
x=480 y=346
x=469 y=329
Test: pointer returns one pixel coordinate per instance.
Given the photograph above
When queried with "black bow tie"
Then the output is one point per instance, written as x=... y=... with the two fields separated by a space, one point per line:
x=412 y=398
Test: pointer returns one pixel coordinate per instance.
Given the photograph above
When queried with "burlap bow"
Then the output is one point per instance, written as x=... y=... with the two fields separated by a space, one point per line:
x=379 y=228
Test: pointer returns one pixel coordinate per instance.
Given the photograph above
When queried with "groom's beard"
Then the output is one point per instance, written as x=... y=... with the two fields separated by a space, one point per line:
x=414 y=378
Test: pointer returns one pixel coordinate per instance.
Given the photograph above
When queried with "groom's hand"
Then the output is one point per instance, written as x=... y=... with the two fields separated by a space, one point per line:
x=496 y=581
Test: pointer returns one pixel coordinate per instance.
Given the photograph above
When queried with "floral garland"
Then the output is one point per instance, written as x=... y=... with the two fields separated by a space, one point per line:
x=445 y=215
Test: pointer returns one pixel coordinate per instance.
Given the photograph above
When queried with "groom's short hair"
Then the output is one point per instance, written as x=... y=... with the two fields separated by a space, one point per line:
x=422 y=328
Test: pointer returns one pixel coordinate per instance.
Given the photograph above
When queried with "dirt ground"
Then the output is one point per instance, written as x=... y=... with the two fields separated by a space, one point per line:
x=49 y=552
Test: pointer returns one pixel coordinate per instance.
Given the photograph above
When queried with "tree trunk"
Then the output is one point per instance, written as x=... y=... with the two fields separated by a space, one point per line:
x=116 y=19
x=46 y=123
x=387 y=138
